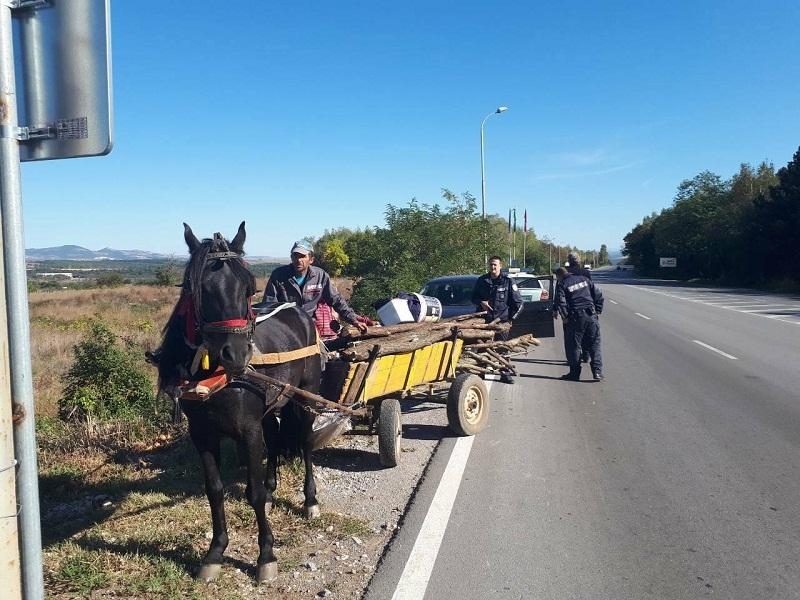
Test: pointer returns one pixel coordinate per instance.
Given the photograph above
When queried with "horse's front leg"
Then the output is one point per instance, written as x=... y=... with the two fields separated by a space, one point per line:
x=256 y=492
x=210 y=458
x=271 y=438
x=309 y=486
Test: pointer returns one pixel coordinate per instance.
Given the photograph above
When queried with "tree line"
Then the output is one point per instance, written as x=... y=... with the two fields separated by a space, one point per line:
x=742 y=230
x=421 y=241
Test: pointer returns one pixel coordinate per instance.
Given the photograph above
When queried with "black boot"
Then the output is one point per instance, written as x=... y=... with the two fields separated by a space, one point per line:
x=573 y=375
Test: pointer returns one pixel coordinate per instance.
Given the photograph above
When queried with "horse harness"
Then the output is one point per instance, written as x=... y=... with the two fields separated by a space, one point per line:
x=253 y=380
x=243 y=326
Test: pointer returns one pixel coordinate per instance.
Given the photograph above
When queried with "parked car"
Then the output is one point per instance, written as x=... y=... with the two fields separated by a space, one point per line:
x=529 y=286
x=454 y=292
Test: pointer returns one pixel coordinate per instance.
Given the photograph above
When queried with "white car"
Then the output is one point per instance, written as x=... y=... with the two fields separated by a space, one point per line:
x=530 y=288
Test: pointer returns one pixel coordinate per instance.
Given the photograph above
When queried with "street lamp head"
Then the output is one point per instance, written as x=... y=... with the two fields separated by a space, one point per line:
x=501 y=109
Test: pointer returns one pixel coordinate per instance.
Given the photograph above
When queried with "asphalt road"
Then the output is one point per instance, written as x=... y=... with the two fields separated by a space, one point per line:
x=676 y=477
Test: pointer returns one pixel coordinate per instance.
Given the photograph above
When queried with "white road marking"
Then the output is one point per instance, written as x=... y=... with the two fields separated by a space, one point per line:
x=417 y=572
x=612 y=302
x=730 y=301
x=641 y=315
x=725 y=354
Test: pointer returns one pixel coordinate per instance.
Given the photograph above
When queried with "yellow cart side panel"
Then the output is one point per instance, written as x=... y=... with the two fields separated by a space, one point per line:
x=388 y=375
x=419 y=366
x=447 y=366
x=400 y=372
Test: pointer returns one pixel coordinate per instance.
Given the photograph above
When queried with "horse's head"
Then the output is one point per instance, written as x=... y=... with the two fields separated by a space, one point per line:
x=220 y=286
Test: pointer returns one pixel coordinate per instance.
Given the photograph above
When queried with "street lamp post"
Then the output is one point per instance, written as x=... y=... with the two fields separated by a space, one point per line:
x=500 y=109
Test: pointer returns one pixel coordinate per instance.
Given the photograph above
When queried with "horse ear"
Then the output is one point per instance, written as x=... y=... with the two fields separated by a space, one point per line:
x=190 y=238
x=237 y=245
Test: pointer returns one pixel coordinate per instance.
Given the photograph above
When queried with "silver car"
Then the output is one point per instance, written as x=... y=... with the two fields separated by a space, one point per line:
x=530 y=288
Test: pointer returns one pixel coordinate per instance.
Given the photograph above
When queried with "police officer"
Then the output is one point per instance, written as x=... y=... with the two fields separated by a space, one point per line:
x=499 y=296
x=579 y=303
x=574 y=266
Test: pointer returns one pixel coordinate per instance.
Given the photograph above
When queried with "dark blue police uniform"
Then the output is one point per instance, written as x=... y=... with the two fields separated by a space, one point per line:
x=502 y=295
x=579 y=303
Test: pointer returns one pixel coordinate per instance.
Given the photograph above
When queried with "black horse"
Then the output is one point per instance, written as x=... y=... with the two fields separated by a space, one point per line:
x=214 y=327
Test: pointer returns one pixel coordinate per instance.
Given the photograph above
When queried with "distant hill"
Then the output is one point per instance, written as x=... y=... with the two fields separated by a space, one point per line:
x=81 y=253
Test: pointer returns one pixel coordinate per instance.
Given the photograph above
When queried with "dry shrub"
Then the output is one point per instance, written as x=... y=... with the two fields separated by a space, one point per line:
x=60 y=318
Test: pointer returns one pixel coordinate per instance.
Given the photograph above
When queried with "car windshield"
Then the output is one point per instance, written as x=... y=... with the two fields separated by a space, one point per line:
x=530 y=283
x=450 y=293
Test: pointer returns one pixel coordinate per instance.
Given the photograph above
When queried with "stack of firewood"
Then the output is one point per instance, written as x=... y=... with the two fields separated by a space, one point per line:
x=480 y=354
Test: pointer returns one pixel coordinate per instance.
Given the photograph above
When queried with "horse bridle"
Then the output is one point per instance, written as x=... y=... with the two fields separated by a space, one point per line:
x=244 y=326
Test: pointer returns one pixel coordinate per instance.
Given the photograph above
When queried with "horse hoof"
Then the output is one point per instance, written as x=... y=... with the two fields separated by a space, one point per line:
x=208 y=572
x=313 y=511
x=267 y=572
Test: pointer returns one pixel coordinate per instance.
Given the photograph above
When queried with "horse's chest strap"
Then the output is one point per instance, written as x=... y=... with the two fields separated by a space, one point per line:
x=277 y=358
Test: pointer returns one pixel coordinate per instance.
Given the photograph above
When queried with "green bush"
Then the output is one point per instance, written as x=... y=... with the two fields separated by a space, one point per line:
x=168 y=275
x=107 y=381
x=111 y=280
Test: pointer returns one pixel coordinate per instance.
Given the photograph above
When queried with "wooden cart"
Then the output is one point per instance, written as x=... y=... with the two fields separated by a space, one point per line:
x=373 y=389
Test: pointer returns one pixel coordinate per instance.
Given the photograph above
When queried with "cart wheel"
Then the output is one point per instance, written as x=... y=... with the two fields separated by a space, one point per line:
x=389 y=432
x=467 y=405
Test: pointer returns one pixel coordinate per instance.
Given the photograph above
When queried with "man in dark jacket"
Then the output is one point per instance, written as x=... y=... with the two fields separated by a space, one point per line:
x=575 y=267
x=306 y=285
x=499 y=296
x=579 y=303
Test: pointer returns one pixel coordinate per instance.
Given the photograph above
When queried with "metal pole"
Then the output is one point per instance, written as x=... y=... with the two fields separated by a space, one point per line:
x=16 y=315
x=483 y=195
x=499 y=110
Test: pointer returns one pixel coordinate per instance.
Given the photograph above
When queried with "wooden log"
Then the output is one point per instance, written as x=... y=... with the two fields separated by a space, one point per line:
x=396 y=344
x=500 y=358
x=523 y=340
x=463 y=322
x=485 y=360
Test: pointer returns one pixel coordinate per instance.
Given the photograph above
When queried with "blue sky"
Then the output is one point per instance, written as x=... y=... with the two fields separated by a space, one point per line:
x=298 y=117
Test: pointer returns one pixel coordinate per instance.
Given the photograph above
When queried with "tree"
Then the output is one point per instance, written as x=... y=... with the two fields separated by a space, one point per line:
x=168 y=274
x=639 y=246
x=602 y=256
x=334 y=258
x=419 y=242
x=775 y=229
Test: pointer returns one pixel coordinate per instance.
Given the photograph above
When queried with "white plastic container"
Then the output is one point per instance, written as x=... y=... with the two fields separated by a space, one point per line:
x=430 y=309
x=395 y=311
